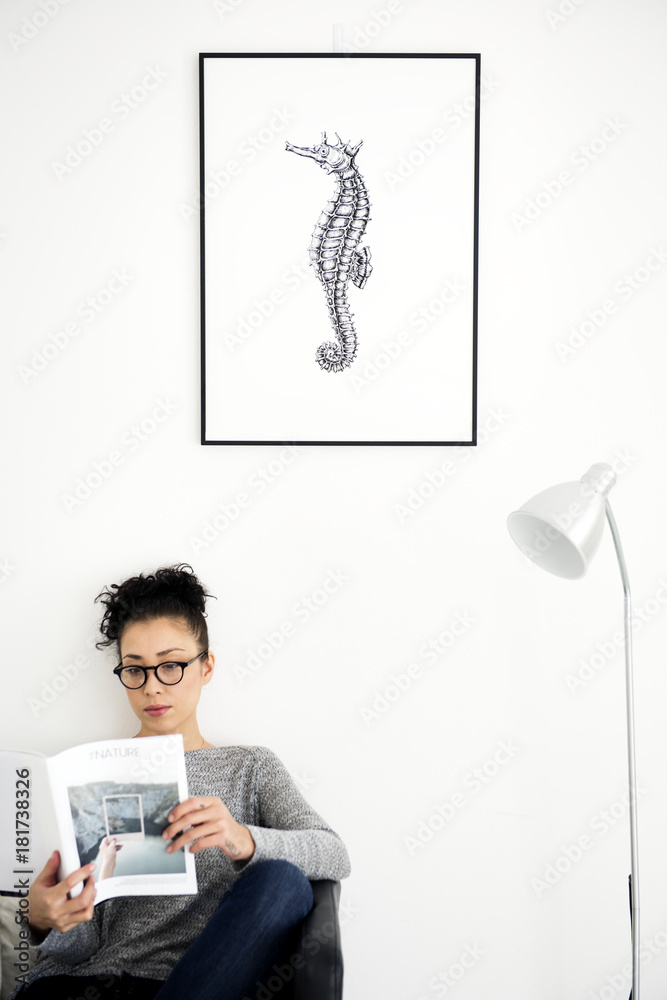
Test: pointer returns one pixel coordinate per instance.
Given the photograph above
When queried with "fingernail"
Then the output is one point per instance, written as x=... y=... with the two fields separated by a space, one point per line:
x=171 y=818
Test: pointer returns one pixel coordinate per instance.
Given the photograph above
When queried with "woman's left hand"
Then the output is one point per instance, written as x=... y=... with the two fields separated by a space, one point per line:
x=211 y=825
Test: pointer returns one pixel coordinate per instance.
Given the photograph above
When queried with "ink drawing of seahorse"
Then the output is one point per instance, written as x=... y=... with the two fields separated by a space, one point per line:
x=333 y=249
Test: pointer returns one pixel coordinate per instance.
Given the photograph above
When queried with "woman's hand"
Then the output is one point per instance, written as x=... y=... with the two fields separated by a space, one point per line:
x=49 y=904
x=106 y=856
x=212 y=825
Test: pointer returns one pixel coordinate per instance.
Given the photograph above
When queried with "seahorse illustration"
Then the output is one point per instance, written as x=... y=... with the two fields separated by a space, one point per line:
x=333 y=250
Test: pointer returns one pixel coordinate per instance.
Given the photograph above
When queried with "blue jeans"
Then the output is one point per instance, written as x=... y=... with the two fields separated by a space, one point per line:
x=251 y=928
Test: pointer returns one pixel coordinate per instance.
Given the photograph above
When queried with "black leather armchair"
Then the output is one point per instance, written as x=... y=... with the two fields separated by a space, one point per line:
x=312 y=966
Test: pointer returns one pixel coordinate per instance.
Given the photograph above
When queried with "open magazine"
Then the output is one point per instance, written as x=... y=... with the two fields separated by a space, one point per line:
x=106 y=802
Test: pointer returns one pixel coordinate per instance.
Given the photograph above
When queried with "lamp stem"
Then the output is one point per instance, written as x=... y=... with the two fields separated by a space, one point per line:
x=632 y=781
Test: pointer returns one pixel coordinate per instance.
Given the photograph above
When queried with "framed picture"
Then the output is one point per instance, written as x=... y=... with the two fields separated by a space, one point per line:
x=124 y=817
x=339 y=242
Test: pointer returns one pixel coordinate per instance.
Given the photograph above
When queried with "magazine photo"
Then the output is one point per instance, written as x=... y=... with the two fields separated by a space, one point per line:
x=106 y=802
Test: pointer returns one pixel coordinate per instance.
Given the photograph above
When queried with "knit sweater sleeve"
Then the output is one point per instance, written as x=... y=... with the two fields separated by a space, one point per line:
x=72 y=946
x=288 y=828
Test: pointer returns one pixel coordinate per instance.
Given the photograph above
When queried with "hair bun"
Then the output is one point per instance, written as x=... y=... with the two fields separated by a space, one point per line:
x=170 y=592
x=178 y=582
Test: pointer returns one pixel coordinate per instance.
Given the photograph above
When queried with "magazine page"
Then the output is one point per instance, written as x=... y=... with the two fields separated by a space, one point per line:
x=112 y=799
x=26 y=812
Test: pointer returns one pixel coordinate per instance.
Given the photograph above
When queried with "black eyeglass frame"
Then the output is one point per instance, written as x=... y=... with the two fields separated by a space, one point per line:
x=172 y=663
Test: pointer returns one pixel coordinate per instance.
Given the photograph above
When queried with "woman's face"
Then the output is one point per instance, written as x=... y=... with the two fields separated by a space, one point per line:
x=165 y=708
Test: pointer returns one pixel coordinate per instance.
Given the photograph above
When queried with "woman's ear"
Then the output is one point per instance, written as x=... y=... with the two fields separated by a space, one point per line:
x=207 y=668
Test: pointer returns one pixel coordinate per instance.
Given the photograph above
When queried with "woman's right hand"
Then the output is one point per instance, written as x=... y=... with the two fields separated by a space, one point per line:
x=49 y=905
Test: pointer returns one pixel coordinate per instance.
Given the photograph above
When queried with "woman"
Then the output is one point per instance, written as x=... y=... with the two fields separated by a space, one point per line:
x=256 y=841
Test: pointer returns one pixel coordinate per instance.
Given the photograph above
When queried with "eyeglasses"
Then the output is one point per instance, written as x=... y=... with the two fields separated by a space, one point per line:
x=167 y=673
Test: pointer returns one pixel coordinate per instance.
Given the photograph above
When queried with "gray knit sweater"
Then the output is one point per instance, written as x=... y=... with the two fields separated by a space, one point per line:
x=146 y=935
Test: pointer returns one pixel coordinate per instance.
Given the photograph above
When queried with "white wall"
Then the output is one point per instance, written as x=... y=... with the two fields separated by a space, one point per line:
x=544 y=418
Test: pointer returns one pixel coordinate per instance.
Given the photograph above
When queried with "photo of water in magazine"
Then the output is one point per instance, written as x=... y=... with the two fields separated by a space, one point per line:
x=105 y=802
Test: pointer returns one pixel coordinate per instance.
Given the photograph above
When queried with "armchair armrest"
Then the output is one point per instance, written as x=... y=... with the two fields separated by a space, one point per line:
x=321 y=977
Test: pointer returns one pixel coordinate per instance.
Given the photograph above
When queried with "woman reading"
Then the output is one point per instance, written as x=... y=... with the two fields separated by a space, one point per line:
x=255 y=839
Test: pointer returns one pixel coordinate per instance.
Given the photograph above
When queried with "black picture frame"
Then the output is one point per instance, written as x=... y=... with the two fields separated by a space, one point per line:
x=404 y=371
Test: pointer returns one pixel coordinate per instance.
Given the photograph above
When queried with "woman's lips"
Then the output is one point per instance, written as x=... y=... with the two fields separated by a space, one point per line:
x=157 y=709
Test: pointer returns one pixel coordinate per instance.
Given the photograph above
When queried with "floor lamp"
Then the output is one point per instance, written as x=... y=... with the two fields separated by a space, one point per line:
x=560 y=530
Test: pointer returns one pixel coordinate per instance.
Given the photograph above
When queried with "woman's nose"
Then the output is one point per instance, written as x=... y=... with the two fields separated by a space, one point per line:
x=152 y=682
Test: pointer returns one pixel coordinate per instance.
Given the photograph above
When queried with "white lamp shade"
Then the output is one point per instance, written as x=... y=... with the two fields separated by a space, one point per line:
x=560 y=528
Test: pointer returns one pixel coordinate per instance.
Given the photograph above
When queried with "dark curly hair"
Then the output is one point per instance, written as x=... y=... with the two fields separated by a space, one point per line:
x=170 y=592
